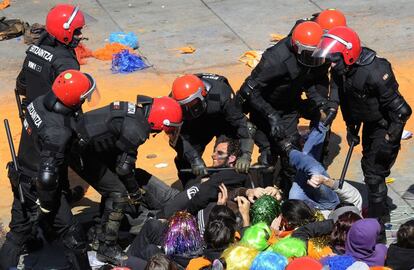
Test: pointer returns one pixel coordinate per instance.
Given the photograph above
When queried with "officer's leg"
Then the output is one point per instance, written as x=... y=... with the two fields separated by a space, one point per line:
x=287 y=172
x=71 y=233
x=109 y=250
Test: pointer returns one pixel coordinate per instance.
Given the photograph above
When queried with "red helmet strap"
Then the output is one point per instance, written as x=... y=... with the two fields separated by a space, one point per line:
x=348 y=45
x=67 y=24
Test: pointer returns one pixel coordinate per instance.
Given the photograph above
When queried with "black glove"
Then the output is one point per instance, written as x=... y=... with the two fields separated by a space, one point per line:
x=276 y=129
x=243 y=163
x=386 y=151
x=136 y=197
x=198 y=167
x=352 y=135
x=266 y=158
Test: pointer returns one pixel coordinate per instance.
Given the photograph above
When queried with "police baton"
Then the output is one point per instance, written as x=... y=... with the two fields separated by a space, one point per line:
x=19 y=105
x=347 y=160
x=13 y=155
x=213 y=169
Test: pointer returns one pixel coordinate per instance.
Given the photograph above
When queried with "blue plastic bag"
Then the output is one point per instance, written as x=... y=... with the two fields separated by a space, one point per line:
x=126 y=62
x=128 y=39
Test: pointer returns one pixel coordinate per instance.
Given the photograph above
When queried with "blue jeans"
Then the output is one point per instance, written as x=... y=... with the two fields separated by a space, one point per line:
x=306 y=165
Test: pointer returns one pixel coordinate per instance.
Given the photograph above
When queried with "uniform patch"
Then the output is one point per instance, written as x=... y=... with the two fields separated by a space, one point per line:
x=116 y=105
x=385 y=77
x=34 y=115
x=34 y=66
x=27 y=127
x=192 y=191
x=131 y=108
x=41 y=53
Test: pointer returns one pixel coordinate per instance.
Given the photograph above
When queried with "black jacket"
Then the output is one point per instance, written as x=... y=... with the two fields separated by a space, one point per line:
x=400 y=258
x=43 y=63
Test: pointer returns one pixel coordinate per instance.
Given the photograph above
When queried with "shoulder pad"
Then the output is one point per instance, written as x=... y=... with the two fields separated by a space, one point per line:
x=366 y=57
x=207 y=85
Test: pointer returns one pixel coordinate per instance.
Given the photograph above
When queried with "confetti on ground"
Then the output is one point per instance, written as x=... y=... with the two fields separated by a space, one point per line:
x=185 y=50
x=251 y=58
x=276 y=37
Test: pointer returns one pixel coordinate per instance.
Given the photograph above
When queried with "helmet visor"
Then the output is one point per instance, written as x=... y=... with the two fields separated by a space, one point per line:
x=304 y=55
x=329 y=46
x=173 y=131
x=91 y=96
x=194 y=105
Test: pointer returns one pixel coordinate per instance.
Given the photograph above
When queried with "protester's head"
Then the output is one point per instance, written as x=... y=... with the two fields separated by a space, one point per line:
x=220 y=232
x=265 y=209
x=257 y=236
x=342 y=208
x=405 y=235
x=268 y=260
x=290 y=247
x=239 y=257
x=160 y=262
x=225 y=152
x=361 y=242
x=304 y=263
x=221 y=211
x=296 y=213
x=182 y=236
x=338 y=262
x=340 y=230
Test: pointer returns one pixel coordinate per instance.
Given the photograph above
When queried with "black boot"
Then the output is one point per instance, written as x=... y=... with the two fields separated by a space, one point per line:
x=111 y=253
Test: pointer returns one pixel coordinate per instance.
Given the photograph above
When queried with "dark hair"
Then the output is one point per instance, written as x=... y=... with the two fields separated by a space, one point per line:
x=297 y=213
x=219 y=232
x=405 y=235
x=160 y=262
x=221 y=211
x=340 y=230
x=233 y=147
x=343 y=204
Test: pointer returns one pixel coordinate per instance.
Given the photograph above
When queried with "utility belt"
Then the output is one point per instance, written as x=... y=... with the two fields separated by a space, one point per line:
x=17 y=177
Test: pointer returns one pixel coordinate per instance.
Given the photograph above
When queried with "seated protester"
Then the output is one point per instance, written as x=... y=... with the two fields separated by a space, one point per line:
x=220 y=232
x=361 y=242
x=290 y=247
x=336 y=230
x=401 y=254
x=179 y=239
x=306 y=165
x=160 y=262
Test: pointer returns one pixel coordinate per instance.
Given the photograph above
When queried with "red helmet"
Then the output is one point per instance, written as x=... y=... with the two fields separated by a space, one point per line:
x=73 y=87
x=330 y=18
x=339 y=40
x=166 y=115
x=190 y=93
x=62 y=21
x=305 y=39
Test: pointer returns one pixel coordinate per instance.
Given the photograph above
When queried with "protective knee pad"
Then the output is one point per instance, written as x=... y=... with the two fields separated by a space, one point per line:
x=116 y=213
x=377 y=193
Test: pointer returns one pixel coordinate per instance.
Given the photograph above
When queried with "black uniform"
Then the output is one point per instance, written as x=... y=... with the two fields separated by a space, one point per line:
x=43 y=146
x=43 y=63
x=369 y=94
x=105 y=155
x=221 y=116
x=272 y=93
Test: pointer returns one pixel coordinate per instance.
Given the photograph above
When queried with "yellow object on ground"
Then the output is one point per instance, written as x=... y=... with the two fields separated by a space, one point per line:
x=251 y=58
x=186 y=50
x=4 y=4
x=390 y=180
x=276 y=37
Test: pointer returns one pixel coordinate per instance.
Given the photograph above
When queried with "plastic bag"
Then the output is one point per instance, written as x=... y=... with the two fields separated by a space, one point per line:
x=128 y=39
x=126 y=62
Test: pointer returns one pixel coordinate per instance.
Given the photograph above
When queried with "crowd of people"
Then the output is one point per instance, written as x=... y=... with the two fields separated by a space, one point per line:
x=230 y=215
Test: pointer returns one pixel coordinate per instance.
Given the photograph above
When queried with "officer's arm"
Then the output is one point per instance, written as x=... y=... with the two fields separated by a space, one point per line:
x=21 y=83
x=318 y=89
x=392 y=101
x=266 y=71
x=51 y=160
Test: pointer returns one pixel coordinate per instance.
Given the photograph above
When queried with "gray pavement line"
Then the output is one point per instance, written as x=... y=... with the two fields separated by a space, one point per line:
x=228 y=26
x=316 y=5
x=407 y=203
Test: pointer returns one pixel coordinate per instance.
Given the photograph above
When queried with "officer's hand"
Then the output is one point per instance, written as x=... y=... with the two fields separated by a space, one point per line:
x=198 y=167
x=135 y=198
x=243 y=163
x=352 y=136
x=386 y=152
x=276 y=129
x=266 y=158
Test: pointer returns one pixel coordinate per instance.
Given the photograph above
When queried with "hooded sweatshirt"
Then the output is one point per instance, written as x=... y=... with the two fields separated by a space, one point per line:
x=361 y=242
x=399 y=258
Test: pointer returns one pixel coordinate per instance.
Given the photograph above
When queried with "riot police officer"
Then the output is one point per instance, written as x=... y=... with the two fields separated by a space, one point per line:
x=272 y=92
x=209 y=110
x=51 y=55
x=368 y=93
x=45 y=136
x=105 y=155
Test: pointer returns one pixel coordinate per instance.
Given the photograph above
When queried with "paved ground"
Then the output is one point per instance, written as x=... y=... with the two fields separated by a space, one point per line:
x=220 y=30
